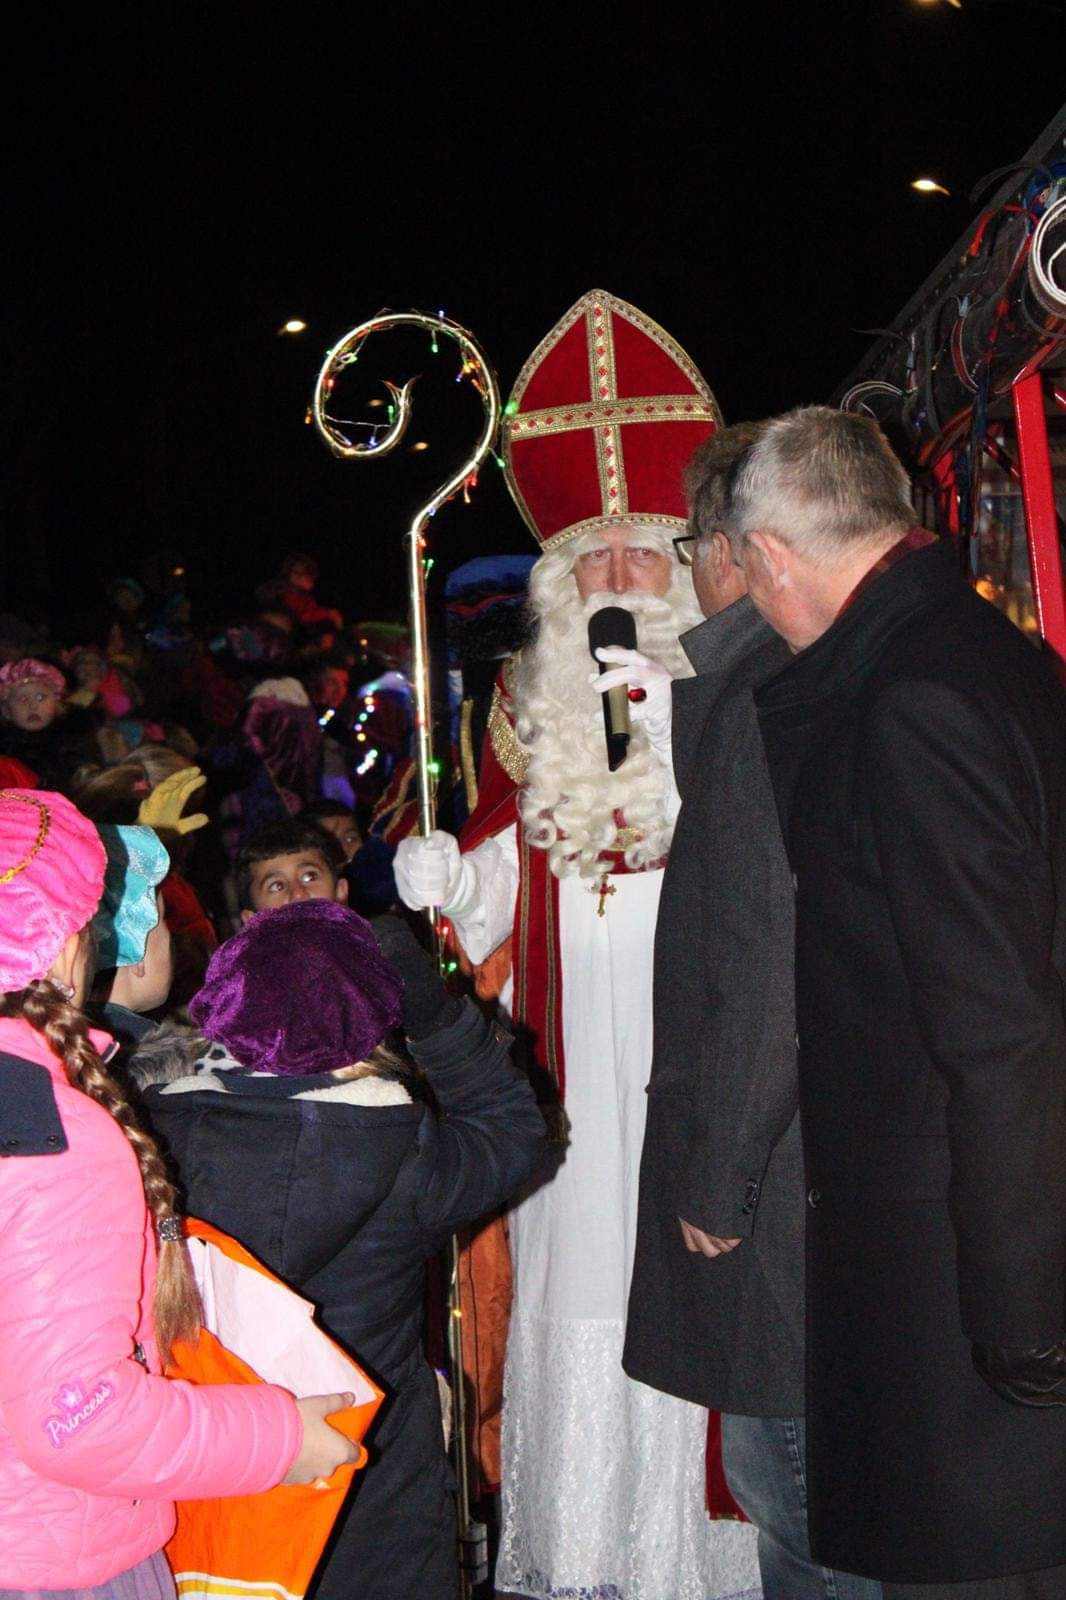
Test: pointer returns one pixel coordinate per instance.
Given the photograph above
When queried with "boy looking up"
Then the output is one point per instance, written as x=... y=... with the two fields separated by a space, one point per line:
x=286 y=861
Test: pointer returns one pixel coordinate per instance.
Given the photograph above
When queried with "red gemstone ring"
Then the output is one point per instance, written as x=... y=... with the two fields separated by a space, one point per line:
x=637 y=696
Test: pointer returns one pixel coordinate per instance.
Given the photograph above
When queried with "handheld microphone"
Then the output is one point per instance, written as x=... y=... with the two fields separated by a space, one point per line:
x=613 y=625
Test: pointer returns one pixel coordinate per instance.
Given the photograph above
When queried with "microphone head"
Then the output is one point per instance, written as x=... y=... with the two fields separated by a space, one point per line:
x=613 y=625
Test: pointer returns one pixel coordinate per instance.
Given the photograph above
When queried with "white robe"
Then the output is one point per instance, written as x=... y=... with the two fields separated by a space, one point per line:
x=603 y=1478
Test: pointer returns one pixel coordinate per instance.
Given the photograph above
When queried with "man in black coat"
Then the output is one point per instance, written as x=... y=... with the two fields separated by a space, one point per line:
x=917 y=745
x=716 y=1304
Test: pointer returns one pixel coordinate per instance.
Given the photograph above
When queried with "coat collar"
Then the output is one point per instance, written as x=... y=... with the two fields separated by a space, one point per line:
x=845 y=655
x=718 y=643
x=275 y=1086
x=735 y=648
x=122 y=1024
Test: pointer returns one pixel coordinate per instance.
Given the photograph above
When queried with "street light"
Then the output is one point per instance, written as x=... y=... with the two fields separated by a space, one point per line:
x=929 y=186
x=1052 y=8
x=294 y=325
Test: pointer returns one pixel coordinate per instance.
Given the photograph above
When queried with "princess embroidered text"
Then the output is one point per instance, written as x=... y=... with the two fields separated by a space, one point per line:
x=75 y=1406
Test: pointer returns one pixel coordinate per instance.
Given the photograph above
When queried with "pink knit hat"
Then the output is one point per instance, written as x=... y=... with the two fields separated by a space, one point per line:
x=52 y=864
x=16 y=672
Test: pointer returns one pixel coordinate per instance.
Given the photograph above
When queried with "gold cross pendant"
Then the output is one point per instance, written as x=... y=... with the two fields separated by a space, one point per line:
x=603 y=889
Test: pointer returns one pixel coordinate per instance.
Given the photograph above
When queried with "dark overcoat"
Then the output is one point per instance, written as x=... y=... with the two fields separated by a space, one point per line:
x=918 y=749
x=722 y=1146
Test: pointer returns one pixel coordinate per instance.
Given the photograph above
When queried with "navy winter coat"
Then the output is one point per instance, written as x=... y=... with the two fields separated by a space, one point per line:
x=347 y=1203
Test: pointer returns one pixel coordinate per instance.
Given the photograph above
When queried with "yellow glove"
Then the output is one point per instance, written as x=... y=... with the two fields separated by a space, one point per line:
x=164 y=806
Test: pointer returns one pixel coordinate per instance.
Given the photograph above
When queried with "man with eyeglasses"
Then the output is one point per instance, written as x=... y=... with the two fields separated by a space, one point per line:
x=716 y=1309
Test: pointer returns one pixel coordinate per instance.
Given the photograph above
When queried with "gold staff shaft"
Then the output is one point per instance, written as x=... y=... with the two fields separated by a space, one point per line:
x=477 y=369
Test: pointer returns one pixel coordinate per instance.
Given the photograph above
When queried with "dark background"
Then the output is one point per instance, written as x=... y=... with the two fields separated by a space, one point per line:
x=184 y=178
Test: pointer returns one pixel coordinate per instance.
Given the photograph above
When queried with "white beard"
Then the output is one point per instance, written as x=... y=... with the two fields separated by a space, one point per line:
x=570 y=799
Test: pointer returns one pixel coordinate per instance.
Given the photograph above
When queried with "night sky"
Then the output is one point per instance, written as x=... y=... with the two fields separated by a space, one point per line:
x=186 y=177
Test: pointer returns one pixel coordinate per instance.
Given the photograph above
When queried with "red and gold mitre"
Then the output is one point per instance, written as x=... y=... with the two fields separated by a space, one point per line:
x=603 y=418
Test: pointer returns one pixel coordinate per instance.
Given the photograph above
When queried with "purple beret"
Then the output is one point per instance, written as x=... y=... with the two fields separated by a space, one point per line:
x=300 y=990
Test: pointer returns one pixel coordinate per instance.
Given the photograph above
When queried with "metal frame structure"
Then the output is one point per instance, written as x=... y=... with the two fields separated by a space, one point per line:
x=984 y=339
x=1041 y=516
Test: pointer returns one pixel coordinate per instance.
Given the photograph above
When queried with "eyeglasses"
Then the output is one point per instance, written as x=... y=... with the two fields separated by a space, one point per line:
x=681 y=547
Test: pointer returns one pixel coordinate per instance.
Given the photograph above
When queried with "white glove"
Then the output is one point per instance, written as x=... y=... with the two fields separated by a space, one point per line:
x=431 y=872
x=654 y=713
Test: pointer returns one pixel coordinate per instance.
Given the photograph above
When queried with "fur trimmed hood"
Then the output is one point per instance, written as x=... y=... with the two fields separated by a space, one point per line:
x=176 y=1059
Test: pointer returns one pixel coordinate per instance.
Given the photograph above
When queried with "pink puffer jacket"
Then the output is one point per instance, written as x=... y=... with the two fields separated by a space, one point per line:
x=93 y=1448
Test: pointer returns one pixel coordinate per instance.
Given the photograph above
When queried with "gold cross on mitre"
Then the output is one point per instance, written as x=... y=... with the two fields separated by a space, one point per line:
x=603 y=889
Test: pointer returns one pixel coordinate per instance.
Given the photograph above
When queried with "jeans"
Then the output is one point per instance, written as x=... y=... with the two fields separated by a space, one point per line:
x=765 y=1465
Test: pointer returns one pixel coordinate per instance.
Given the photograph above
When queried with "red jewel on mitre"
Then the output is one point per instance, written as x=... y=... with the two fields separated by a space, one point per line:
x=604 y=416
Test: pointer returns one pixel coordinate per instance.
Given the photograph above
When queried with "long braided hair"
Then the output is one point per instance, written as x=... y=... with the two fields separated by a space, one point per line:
x=176 y=1309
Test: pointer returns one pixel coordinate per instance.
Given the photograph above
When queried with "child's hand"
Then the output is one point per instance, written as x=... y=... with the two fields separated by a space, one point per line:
x=323 y=1449
x=427 y=1004
x=164 y=806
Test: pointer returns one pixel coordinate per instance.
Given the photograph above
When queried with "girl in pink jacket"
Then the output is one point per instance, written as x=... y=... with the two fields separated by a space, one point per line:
x=95 y=1445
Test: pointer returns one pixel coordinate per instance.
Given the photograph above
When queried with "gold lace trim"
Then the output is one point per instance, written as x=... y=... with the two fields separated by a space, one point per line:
x=512 y=756
x=44 y=821
x=593 y=413
x=589 y=523
x=603 y=380
x=598 y=304
x=632 y=315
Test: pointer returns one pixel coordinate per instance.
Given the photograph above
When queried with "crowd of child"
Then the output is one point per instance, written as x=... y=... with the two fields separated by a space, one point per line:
x=129 y=711
x=195 y=1019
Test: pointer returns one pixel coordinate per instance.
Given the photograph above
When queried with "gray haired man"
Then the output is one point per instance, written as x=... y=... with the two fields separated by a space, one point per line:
x=917 y=746
x=716 y=1307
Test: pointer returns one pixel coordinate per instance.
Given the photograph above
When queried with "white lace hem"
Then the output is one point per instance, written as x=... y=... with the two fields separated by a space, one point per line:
x=603 y=1479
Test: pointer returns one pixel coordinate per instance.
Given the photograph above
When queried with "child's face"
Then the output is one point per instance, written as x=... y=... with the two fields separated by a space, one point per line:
x=345 y=831
x=301 y=577
x=31 y=706
x=306 y=875
x=89 y=670
x=332 y=687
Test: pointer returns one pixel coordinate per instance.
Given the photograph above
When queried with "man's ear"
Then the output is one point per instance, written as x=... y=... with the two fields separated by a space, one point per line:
x=773 y=556
x=721 y=554
x=341 y=891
